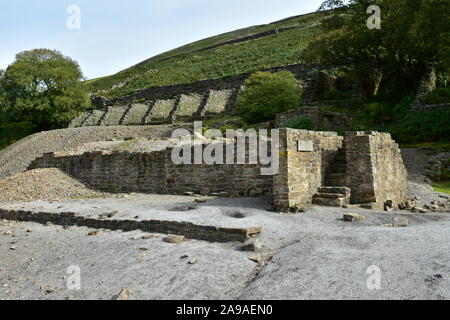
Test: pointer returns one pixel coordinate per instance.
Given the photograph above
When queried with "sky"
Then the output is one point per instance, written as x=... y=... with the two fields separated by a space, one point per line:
x=110 y=35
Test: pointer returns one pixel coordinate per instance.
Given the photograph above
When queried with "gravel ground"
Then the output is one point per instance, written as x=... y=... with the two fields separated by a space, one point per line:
x=17 y=157
x=414 y=263
x=315 y=255
x=42 y=184
x=150 y=269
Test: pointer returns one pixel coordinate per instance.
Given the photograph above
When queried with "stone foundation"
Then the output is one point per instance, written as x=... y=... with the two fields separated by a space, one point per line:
x=187 y=229
x=304 y=157
x=375 y=170
x=312 y=165
x=154 y=172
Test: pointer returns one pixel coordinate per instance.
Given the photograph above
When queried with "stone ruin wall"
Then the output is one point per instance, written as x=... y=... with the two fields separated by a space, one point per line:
x=375 y=169
x=183 y=107
x=154 y=172
x=192 y=101
x=304 y=157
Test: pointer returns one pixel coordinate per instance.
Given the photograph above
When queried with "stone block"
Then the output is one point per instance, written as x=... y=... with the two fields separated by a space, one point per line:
x=305 y=146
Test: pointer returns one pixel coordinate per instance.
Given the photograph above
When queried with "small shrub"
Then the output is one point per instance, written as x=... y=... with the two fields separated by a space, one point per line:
x=302 y=122
x=267 y=94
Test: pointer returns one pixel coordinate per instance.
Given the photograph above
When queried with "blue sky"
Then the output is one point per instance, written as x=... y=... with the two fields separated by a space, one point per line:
x=116 y=34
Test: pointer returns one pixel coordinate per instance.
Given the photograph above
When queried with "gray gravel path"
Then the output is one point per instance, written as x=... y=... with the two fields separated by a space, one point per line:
x=315 y=255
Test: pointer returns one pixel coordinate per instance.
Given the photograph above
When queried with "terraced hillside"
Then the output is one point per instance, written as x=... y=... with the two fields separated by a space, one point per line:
x=246 y=50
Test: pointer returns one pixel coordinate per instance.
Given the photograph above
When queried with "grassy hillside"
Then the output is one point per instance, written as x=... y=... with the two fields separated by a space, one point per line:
x=192 y=62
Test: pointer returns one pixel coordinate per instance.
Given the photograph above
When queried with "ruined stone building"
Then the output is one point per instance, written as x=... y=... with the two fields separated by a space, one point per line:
x=320 y=168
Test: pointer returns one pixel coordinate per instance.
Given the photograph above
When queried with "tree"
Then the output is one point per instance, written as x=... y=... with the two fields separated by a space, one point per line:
x=332 y=4
x=266 y=94
x=413 y=35
x=42 y=88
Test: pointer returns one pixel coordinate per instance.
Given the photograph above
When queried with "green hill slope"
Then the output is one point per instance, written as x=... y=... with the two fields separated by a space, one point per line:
x=245 y=50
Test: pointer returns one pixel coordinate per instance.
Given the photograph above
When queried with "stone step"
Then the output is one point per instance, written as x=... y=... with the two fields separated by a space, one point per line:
x=335 y=190
x=330 y=195
x=331 y=200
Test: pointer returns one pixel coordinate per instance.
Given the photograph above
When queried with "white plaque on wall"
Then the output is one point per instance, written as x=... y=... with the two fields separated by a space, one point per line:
x=305 y=146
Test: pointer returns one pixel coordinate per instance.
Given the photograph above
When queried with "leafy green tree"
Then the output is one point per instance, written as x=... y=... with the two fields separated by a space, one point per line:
x=413 y=35
x=332 y=4
x=266 y=94
x=42 y=89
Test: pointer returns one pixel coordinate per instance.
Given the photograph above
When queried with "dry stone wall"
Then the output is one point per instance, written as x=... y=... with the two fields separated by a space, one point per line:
x=183 y=107
x=217 y=101
x=197 y=100
x=188 y=106
x=135 y=114
x=187 y=229
x=113 y=116
x=375 y=169
x=155 y=172
x=304 y=158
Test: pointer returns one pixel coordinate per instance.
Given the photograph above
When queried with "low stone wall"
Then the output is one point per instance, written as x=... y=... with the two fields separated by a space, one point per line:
x=375 y=169
x=369 y=163
x=182 y=107
x=321 y=119
x=187 y=229
x=304 y=158
x=301 y=71
x=192 y=101
x=155 y=172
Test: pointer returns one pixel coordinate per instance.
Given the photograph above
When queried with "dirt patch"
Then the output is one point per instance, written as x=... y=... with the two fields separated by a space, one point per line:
x=43 y=184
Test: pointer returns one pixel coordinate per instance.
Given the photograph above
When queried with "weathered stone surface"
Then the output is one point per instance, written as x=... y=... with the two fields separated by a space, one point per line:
x=124 y=294
x=305 y=146
x=369 y=165
x=161 y=111
x=252 y=245
x=217 y=101
x=184 y=207
x=154 y=172
x=94 y=118
x=350 y=217
x=401 y=221
x=136 y=114
x=185 y=229
x=174 y=239
x=113 y=116
x=188 y=106
x=300 y=174
x=375 y=170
